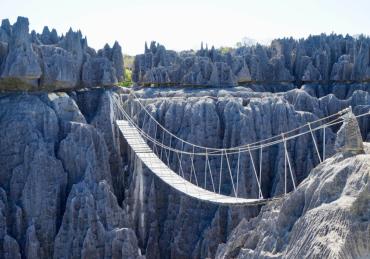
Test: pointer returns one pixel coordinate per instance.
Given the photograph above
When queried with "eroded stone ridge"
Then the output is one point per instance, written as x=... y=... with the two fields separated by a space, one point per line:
x=349 y=139
x=322 y=58
x=47 y=61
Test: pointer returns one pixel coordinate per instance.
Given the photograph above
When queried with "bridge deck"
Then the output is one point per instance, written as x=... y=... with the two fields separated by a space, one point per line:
x=161 y=170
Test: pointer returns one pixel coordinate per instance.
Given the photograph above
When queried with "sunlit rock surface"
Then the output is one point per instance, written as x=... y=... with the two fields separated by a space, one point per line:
x=68 y=163
x=327 y=217
x=70 y=187
x=319 y=58
x=47 y=61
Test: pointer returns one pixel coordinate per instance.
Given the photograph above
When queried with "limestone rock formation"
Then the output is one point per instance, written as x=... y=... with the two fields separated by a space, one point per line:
x=59 y=163
x=349 y=139
x=21 y=62
x=46 y=61
x=70 y=186
x=239 y=113
x=327 y=217
x=321 y=59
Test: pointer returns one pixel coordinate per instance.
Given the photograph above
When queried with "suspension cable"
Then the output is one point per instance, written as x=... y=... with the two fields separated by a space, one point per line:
x=244 y=149
x=232 y=148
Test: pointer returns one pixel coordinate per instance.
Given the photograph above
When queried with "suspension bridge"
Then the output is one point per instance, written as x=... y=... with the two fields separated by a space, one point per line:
x=156 y=150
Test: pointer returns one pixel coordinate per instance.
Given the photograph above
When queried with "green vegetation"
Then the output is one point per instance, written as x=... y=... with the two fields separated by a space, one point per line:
x=128 y=61
x=225 y=50
x=128 y=78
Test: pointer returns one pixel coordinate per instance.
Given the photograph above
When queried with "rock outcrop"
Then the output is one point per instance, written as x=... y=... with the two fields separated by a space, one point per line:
x=56 y=174
x=323 y=59
x=31 y=61
x=349 y=140
x=239 y=112
x=70 y=186
x=327 y=217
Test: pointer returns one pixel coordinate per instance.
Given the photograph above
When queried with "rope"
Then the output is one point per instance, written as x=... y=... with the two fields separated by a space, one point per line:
x=283 y=138
x=162 y=144
x=219 y=180
x=155 y=137
x=210 y=173
x=217 y=154
x=255 y=174
x=231 y=176
x=233 y=148
x=186 y=187
x=323 y=144
x=180 y=166
x=205 y=172
x=169 y=152
x=269 y=144
x=260 y=165
x=285 y=171
x=245 y=150
x=290 y=166
x=182 y=147
x=237 y=174
x=193 y=169
x=314 y=141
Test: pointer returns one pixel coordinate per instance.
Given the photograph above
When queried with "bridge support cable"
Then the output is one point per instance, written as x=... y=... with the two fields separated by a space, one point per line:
x=205 y=171
x=192 y=170
x=169 y=153
x=260 y=196
x=232 y=150
x=289 y=165
x=314 y=142
x=220 y=174
x=180 y=166
x=253 y=146
x=231 y=176
x=136 y=141
x=210 y=173
x=154 y=145
x=237 y=174
x=323 y=143
x=180 y=159
x=260 y=169
x=181 y=171
x=285 y=172
x=162 y=145
x=155 y=137
x=145 y=145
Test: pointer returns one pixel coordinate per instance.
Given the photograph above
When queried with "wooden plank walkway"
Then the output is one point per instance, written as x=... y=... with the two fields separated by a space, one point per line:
x=161 y=170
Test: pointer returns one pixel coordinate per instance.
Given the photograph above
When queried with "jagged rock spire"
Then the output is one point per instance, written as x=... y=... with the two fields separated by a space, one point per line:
x=31 y=61
x=349 y=139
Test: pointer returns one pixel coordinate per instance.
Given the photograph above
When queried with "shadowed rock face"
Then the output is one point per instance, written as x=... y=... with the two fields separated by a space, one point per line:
x=70 y=187
x=57 y=179
x=327 y=217
x=322 y=58
x=31 y=61
x=225 y=118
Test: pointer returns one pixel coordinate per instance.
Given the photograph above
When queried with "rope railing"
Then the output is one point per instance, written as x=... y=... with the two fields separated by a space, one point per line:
x=170 y=143
x=339 y=113
x=244 y=148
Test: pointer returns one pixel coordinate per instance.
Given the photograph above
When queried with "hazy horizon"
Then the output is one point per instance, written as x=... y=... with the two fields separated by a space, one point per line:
x=183 y=26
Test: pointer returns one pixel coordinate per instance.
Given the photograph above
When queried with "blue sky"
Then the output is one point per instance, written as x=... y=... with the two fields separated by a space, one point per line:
x=184 y=24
